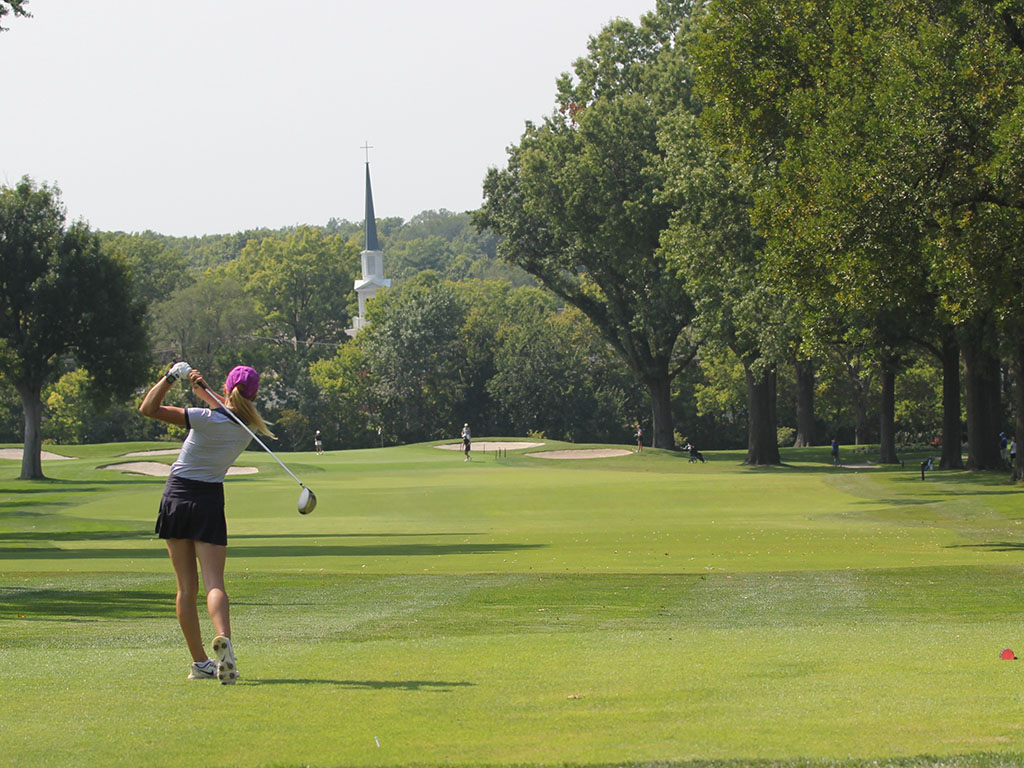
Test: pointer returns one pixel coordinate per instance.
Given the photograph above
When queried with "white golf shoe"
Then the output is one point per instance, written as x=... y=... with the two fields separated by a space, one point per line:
x=203 y=670
x=227 y=667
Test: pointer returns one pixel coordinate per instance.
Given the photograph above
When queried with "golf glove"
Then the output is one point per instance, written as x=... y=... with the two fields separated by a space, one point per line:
x=179 y=371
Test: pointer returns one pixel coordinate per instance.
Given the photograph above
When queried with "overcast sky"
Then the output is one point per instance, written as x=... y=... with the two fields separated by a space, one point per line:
x=224 y=115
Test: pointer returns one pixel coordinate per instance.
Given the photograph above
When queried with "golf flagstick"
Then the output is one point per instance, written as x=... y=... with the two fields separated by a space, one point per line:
x=307 y=499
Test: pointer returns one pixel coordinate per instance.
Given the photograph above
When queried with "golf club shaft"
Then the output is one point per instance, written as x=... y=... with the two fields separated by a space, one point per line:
x=243 y=426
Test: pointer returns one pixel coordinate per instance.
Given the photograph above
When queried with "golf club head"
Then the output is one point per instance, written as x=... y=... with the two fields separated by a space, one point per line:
x=307 y=501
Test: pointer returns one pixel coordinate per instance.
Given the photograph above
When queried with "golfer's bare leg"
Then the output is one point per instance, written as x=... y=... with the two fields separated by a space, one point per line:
x=211 y=558
x=183 y=558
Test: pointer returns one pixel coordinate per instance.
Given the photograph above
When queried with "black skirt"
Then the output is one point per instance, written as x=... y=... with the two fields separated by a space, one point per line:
x=191 y=509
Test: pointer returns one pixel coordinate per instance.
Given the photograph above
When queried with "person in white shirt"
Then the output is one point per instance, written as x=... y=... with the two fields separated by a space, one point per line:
x=191 y=517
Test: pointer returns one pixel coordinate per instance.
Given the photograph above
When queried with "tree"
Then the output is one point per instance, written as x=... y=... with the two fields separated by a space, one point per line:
x=351 y=412
x=205 y=322
x=61 y=297
x=919 y=409
x=301 y=283
x=408 y=257
x=72 y=419
x=11 y=418
x=155 y=269
x=416 y=358
x=806 y=423
x=717 y=250
x=17 y=7
x=556 y=375
x=491 y=305
x=577 y=203
x=835 y=98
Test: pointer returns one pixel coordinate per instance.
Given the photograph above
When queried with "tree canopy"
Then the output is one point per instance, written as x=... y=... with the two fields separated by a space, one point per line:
x=577 y=203
x=15 y=7
x=62 y=302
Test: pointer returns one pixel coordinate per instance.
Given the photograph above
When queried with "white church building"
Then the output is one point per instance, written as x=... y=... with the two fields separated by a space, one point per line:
x=372 y=259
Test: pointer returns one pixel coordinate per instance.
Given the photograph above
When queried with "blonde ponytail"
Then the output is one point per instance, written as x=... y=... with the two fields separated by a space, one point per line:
x=246 y=411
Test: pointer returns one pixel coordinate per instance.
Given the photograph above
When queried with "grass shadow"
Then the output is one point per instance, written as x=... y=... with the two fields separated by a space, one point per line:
x=379 y=550
x=46 y=604
x=303 y=551
x=236 y=537
x=146 y=533
x=435 y=686
x=896 y=502
x=992 y=546
x=37 y=536
x=38 y=485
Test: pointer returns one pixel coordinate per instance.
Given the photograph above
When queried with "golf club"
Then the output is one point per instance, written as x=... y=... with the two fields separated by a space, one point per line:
x=307 y=499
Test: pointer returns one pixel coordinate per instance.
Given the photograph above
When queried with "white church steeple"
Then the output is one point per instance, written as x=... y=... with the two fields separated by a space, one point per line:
x=372 y=259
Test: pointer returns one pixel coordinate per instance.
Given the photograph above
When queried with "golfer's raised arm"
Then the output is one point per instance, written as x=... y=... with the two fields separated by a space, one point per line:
x=152 y=404
x=199 y=389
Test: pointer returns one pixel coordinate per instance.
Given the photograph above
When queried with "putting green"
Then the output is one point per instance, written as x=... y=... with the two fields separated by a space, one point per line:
x=515 y=610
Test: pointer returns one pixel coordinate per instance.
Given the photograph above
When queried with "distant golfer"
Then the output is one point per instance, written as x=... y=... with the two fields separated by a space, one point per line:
x=467 y=442
x=318 y=444
x=191 y=517
x=835 y=452
x=695 y=455
x=639 y=438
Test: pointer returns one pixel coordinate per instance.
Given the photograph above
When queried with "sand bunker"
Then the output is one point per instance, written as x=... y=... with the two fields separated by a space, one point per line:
x=161 y=452
x=582 y=453
x=484 y=445
x=156 y=469
x=15 y=453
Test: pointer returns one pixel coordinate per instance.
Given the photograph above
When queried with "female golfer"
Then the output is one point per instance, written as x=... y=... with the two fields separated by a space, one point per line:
x=191 y=516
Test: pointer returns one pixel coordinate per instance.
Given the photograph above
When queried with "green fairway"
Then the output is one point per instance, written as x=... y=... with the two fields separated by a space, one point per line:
x=519 y=610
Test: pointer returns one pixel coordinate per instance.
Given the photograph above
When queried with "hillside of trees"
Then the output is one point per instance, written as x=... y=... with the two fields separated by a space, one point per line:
x=745 y=223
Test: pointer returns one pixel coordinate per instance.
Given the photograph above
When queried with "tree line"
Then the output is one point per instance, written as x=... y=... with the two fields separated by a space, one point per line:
x=744 y=223
x=792 y=181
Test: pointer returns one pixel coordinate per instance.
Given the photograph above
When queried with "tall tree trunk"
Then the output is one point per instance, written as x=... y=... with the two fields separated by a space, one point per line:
x=981 y=372
x=660 y=390
x=952 y=428
x=1018 y=407
x=859 y=381
x=31 y=452
x=806 y=428
x=887 y=418
x=860 y=433
x=762 y=429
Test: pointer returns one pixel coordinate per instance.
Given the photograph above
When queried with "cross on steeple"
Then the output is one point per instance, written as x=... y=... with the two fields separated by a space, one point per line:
x=367 y=147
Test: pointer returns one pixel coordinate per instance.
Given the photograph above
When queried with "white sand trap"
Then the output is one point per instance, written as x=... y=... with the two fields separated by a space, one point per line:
x=484 y=445
x=156 y=469
x=161 y=452
x=582 y=453
x=15 y=453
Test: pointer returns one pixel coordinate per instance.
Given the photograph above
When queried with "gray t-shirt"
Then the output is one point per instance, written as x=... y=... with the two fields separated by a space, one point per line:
x=213 y=443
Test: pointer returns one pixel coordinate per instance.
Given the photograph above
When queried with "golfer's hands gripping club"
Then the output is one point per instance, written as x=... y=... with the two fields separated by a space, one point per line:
x=202 y=391
x=178 y=370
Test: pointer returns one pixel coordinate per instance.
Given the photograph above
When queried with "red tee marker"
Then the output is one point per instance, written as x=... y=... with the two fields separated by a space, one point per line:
x=1007 y=655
